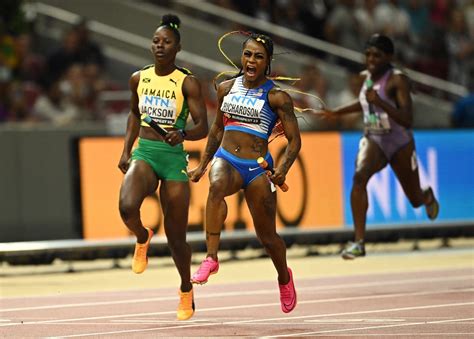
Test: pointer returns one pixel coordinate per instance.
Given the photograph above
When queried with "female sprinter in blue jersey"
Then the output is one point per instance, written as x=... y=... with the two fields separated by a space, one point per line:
x=249 y=107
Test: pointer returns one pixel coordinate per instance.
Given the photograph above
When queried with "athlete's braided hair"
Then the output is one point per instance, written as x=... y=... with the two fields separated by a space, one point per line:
x=171 y=22
x=267 y=43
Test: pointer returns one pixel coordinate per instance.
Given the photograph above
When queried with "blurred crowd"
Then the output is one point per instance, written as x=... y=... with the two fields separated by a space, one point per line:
x=62 y=86
x=435 y=37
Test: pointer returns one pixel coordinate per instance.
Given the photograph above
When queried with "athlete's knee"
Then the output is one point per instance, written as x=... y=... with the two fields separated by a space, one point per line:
x=270 y=240
x=178 y=245
x=416 y=200
x=216 y=193
x=223 y=207
x=128 y=208
x=360 y=180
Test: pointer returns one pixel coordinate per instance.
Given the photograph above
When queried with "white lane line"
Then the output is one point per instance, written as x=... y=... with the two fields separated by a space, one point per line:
x=393 y=295
x=243 y=293
x=286 y=318
x=372 y=328
x=293 y=334
x=366 y=320
x=164 y=321
x=225 y=308
x=404 y=335
x=303 y=323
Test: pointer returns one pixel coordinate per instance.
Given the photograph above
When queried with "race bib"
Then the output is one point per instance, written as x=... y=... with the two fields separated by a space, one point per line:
x=377 y=123
x=161 y=110
x=242 y=108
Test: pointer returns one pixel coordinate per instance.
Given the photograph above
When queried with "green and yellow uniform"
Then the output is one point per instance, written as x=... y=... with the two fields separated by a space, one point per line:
x=161 y=97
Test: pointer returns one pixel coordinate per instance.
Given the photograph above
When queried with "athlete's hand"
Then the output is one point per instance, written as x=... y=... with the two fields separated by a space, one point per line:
x=278 y=177
x=124 y=163
x=372 y=96
x=196 y=174
x=174 y=138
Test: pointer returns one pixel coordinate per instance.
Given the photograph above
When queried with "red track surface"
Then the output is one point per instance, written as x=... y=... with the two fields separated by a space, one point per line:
x=424 y=304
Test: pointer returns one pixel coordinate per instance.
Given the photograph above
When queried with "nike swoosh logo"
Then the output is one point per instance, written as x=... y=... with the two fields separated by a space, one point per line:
x=253 y=169
x=291 y=303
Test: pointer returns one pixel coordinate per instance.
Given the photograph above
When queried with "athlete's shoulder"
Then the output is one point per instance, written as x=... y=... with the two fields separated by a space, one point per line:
x=398 y=71
x=399 y=75
x=225 y=86
x=278 y=96
x=184 y=70
x=277 y=90
x=227 y=83
x=148 y=67
x=399 y=79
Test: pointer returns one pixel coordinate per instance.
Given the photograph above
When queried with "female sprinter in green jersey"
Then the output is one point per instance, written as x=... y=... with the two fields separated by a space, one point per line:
x=167 y=94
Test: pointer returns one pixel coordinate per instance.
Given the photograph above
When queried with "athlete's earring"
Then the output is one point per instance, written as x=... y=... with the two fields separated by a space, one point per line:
x=268 y=70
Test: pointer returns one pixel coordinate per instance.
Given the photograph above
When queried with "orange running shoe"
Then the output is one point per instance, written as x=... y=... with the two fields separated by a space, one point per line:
x=186 y=305
x=140 y=258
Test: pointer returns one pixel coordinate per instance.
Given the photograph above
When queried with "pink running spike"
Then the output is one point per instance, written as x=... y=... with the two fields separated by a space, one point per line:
x=288 y=295
x=208 y=266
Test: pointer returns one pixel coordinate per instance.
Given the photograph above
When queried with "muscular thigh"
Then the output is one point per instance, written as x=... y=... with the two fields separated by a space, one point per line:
x=139 y=181
x=174 y=196
x=261 y=201
x=370 y=158
x=224 y=177
x=405 y=167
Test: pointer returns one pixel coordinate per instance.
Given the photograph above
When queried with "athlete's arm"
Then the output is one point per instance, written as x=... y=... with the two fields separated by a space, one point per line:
x=133 y=123
x=217 y=129
x=197 y=108
x=351 y=107
x=282 y=105
x=399 y=85
x=215 y=136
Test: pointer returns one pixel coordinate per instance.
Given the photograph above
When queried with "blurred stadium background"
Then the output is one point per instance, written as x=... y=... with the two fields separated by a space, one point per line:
x=64 y=69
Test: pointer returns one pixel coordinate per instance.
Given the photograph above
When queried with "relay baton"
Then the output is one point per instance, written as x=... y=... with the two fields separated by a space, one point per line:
x=160 y=130
x=264 y=164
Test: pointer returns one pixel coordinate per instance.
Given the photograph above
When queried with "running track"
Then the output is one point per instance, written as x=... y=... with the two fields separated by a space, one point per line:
x=425 y=304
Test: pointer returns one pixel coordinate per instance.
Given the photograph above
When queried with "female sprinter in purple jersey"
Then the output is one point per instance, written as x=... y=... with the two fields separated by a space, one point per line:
x=249 y=107
x=162 y=161
x=386 y=104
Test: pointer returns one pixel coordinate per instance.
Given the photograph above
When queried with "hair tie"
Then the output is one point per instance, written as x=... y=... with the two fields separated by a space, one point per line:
x=170 y=24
